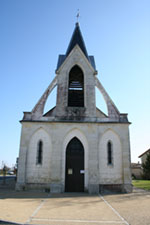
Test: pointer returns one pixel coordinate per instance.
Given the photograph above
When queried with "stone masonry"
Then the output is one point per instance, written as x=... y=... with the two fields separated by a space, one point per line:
x=88 y=124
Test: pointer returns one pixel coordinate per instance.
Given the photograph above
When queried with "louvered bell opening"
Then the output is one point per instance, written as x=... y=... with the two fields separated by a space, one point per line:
x=76 y=88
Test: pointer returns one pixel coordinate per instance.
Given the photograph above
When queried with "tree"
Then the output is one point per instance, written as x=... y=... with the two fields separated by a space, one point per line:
x=146 y=168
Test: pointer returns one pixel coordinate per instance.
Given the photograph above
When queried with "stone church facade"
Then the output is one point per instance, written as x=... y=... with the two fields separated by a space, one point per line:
x=75 y=147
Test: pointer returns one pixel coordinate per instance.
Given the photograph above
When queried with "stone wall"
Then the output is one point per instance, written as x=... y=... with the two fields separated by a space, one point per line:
x=56 y=136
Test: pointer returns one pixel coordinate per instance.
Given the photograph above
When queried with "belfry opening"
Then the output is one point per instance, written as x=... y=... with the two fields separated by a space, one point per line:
x=76 y=87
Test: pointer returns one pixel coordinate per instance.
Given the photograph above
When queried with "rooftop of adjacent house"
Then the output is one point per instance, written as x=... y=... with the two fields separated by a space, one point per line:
x=76 y=39
x=148 y=151
x=136 y=165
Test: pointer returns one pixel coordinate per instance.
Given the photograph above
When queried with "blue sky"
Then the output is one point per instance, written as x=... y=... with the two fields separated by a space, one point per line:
x=34 y=32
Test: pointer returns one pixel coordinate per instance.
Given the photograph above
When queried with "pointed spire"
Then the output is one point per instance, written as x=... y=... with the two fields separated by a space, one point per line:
x=77 y=39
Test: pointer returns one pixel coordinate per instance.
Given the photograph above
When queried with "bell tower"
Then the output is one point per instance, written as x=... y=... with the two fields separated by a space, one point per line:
x=76 y=80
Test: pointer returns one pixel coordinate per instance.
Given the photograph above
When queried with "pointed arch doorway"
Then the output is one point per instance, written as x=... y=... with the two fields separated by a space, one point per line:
x=74 y=181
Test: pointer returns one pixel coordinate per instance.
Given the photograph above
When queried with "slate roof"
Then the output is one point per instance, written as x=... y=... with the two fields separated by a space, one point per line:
x=76 y=39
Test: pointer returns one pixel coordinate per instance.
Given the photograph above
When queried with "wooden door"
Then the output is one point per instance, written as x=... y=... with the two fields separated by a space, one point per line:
x=74 y=166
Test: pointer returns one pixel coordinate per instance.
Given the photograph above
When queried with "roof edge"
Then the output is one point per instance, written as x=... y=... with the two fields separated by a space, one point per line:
x=144 y=153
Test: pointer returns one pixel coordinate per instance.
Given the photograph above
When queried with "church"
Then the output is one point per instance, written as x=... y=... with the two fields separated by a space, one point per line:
x=75 y=147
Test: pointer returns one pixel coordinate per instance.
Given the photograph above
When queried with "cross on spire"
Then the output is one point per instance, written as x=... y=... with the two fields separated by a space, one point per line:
x=78 y=15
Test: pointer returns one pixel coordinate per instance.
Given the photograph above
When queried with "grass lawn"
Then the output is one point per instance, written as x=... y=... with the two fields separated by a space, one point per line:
x=144 y=184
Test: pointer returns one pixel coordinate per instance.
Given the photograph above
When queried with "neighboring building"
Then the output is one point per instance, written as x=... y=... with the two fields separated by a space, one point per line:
x=75 y=147
x=143 y=156
x=136 y=169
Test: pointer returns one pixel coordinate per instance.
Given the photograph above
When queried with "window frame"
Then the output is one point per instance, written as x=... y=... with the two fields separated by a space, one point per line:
x=39 y=157
x=110 y=153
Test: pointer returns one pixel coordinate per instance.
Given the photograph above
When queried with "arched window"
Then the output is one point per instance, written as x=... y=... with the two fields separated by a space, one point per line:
x=39 y=153
x=76 y=87
x=109 y=153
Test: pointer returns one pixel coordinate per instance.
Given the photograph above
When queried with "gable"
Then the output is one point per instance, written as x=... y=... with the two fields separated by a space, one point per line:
x=76 y=56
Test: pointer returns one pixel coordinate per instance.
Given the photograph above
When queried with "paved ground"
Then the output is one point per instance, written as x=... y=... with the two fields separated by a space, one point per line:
x=71 y=209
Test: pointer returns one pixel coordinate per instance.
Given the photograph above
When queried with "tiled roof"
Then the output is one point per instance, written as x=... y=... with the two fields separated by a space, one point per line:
x=144 y=153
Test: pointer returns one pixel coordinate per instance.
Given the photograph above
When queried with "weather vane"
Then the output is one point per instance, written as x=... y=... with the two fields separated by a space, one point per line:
x=78 y=15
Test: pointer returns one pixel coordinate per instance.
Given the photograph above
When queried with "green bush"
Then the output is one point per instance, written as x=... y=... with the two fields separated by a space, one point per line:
x=146 y=168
